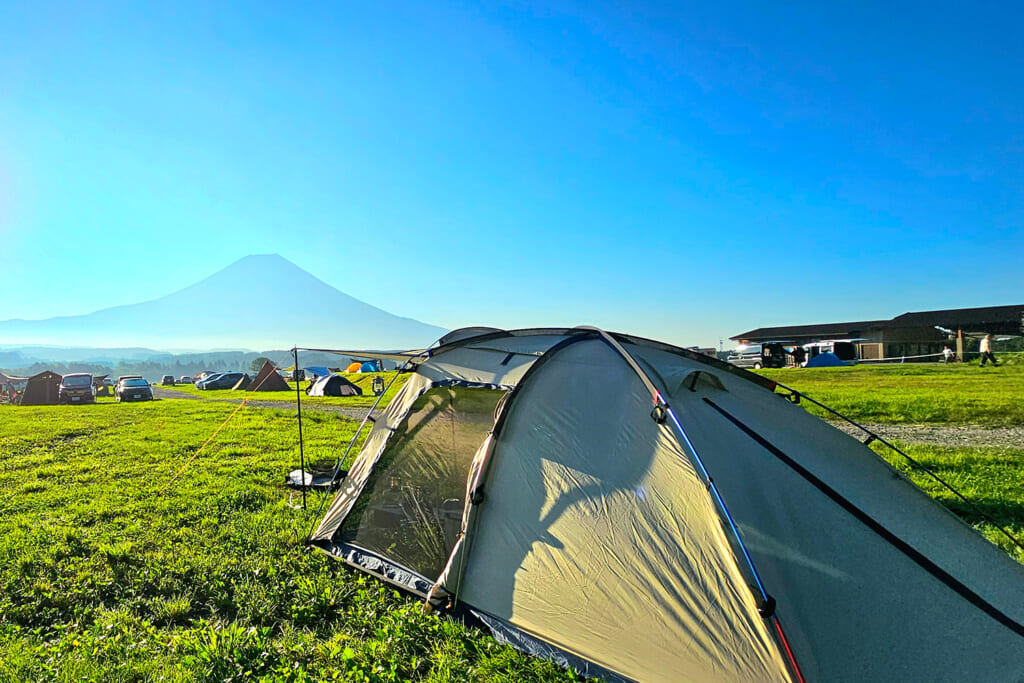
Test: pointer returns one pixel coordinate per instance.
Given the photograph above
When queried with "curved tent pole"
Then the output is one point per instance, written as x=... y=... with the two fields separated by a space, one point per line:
x=663 y=410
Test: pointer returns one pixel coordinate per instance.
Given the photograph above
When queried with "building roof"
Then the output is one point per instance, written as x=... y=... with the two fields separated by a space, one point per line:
x=996 y=319
x=964 y=318
x=799 y=332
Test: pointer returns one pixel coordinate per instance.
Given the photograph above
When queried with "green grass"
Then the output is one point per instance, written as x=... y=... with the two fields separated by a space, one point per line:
x=363 y=381
x=963 y=394
x=105 y=579
x=991 y=478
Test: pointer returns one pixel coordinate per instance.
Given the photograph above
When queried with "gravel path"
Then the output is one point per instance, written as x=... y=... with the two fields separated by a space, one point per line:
x=352 y=413
x=956 y=436
x=940 y=435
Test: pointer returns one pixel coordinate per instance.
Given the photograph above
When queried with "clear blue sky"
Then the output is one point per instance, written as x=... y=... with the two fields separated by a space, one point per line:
x=684 y=173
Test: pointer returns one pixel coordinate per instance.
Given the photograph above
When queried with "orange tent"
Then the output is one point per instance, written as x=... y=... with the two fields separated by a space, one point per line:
x=353 y=367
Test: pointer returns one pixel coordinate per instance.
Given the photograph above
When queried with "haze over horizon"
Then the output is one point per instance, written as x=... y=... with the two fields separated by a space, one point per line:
x=680 y=173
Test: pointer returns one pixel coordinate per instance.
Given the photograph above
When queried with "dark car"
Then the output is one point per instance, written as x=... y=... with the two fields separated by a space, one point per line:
x=133 y=389
x=228 y=380
x=76 y=388
x=167 y=380
x=203 y=379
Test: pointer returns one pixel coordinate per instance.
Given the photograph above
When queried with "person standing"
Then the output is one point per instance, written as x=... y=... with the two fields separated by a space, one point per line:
x=986 y=351
x=947 y=354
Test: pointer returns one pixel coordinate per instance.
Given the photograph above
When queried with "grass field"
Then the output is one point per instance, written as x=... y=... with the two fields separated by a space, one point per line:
x=926 y=393
x=105 y=579
x=363 y=381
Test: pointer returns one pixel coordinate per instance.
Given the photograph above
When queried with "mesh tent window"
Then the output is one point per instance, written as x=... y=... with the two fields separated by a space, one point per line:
x=411 y=508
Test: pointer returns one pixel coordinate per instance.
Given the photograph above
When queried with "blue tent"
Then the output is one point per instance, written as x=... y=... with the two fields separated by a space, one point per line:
x=369 y=366
x=318 y=370
x=825 y=360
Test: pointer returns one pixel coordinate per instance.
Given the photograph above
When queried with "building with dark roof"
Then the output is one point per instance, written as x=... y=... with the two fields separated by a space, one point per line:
x=909 y=334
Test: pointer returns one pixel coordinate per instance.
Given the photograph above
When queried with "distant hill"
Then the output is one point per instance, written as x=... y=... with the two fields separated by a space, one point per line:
x=257 y=302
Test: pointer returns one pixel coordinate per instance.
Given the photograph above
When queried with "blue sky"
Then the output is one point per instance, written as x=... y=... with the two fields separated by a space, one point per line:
x=681 y=172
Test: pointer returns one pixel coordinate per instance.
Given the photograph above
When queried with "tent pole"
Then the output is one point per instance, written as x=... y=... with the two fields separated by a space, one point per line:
x=298 y=404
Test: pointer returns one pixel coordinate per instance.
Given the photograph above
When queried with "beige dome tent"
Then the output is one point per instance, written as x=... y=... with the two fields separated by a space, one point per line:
x=641 y=512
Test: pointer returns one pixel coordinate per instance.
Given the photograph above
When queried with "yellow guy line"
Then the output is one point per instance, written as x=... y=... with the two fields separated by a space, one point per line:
x=205 y=444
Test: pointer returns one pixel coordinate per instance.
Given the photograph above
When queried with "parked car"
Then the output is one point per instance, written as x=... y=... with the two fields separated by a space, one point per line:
x=844 y=349
x=224 y=381
x=757 y=356
x=76 y=388
x=133 y=389
x=202 y=380
x=185 y=379
x=167 y=380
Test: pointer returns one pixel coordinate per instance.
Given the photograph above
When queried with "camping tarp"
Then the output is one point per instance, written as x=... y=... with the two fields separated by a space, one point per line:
x=243 y=383
x=41 y=389
x=333 y=385
x=523 y=478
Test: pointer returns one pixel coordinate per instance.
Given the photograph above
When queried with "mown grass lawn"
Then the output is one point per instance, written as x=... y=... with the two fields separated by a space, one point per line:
x=991 y=478
x=924 y=393
x=106 y=579
x=363 y=380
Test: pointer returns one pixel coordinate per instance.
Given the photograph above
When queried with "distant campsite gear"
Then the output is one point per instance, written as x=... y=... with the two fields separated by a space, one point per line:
x=369 y=366
x=378 y=385
x=313 y=372
x=726 y=535
x=324 y=481
x=267 y=379
x=42 y=389
x=244 y=382
x=333 y=385
x=354 y=366
x=825 y=360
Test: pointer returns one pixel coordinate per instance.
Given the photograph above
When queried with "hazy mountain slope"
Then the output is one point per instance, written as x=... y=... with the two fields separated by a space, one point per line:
x=257 y=302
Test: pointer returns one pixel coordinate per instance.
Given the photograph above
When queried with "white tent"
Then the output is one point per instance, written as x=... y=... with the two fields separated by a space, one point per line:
x=643 y=512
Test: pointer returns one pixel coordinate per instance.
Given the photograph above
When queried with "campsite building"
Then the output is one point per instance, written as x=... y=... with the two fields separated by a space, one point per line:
x=910 y=334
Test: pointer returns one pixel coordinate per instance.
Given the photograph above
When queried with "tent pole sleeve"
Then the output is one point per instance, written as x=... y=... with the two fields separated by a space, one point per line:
x=767 y=606
x=298 y=404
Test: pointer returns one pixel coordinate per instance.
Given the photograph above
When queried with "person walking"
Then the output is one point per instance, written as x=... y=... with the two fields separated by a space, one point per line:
x=947 y=354
x=986 y=351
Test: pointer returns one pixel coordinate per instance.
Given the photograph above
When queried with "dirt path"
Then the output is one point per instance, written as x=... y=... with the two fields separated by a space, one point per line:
x=956 y=436
x=353 y=413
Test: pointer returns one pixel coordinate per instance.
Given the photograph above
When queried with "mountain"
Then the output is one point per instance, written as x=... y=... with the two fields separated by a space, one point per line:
x=257 y=302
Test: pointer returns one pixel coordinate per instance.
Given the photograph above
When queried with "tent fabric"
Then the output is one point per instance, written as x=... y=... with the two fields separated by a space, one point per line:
x=825 y=360
x=267 y=379
x=243 y=383
x=370 y=366
x=316 y=371
x=42 y=389
x=333 y=385
x=586 y=526
x=354 y=366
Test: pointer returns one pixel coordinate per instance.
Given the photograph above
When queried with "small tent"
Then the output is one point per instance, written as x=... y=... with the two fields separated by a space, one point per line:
x=643 y=512
x=41 y=389
x=243 y=383
x=333 y=385
x=370 y=366
x=354 y=366
x=825 y=360
x=267 y=379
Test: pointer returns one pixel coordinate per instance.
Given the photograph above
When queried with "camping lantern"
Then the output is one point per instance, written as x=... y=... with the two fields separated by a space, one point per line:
x=378 y=385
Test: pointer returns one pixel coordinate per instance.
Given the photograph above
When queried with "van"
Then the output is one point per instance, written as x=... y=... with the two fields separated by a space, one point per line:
x=757 y=356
